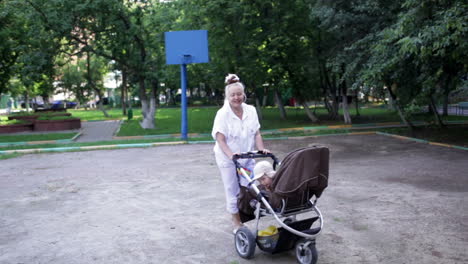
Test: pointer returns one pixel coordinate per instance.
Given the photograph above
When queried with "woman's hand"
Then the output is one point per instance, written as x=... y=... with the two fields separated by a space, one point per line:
x=265 y=151
x=233 y=155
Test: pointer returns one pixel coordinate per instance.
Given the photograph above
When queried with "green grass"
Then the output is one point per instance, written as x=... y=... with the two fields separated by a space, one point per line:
x=168 y=121
x=97 y=143
x=310 y=133
x=36 y=137
x=9 y=156
x=200 y=120
x=94 y=115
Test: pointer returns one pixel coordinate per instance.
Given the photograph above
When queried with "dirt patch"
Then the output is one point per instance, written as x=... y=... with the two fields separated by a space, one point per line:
x=388 y=201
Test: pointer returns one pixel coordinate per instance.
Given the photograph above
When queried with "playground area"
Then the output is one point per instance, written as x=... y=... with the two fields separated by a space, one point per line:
x=388 y=201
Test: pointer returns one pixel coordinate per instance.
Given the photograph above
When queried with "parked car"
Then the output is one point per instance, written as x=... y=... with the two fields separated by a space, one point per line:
x=59 y=104
x=33 y=104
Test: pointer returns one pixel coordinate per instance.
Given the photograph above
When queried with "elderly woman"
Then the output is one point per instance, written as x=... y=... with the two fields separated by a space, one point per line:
x=236 y=129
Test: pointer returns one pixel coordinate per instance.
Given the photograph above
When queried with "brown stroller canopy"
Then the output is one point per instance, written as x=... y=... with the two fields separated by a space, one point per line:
x=304 y=170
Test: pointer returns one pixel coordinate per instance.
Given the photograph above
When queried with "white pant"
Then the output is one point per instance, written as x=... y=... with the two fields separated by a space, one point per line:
x=231 y=185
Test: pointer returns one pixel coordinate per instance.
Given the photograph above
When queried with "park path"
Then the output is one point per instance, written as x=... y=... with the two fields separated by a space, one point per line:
x=98 y=130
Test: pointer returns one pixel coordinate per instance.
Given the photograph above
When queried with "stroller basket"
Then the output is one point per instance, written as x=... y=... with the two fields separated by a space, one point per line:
x=285 y=240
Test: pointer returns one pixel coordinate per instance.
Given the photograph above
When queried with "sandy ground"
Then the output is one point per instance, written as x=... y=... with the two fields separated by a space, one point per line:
x=388 y=201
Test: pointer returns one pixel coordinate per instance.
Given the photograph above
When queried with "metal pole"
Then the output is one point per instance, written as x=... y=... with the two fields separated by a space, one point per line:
x=183 y=101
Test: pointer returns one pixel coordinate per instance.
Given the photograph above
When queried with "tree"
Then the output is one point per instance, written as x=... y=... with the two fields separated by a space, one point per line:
x=420 y=55
x=348 y=29
x=29 y=52
x=113 y=29
x=10 y=33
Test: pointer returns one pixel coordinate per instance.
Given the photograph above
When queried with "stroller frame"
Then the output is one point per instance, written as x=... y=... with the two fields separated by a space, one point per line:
x=305 y=238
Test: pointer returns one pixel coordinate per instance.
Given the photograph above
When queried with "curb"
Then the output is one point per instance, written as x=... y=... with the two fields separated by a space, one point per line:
x=102 y=120
x=159 y=136
x=115 y=146
x=421 y=141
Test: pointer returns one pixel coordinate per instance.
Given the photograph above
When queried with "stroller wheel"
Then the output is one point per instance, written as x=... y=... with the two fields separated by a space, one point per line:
x=245 y=242
x=306 y=252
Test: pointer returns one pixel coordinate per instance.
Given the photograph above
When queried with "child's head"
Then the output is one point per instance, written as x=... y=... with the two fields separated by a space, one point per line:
x=264 y=173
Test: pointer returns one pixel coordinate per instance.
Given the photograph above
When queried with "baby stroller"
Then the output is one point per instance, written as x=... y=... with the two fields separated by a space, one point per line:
x=301 y=177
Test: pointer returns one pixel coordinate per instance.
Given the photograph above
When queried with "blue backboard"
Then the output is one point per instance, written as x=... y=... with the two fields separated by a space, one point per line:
x=185 y=47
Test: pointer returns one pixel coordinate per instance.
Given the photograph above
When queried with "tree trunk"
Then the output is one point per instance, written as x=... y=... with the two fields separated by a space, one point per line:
x=334 y=96
x=344 y=105
x=148 y=108
x=90 y=83
x=26 y=101
x=327 y=104
x=258 y=106
x=265 y=96
x=123 y=92
x=445 y=106
x=334 y=91
x=335 y=106
x=309 y=113
x=101 y=105
x=437 y=118
x=168 y=94
x=399 y=108
x=46 y=101
x=356 y=103
x=391 y=103
x=429 y=108
x=446 y=96
x=280 y=105
x=344 y=95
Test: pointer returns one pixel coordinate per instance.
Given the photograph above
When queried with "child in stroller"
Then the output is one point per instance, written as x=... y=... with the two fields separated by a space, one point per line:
x=264 y=173
x=301 y=177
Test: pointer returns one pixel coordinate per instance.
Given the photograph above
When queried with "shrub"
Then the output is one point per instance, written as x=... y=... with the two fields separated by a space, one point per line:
x=23 y=114
x=51 y=117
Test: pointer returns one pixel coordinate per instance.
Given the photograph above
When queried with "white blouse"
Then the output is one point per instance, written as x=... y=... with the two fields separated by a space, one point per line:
x=239 y=133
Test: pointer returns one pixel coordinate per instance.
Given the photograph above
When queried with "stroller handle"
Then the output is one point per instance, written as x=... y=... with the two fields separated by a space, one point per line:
x=254 y=155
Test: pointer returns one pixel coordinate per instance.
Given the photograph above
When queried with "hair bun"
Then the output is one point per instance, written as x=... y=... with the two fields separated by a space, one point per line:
x=231 y=78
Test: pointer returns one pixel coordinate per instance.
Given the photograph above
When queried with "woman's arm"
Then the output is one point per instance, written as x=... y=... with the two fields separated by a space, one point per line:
x=221 y=140
x=259 y=143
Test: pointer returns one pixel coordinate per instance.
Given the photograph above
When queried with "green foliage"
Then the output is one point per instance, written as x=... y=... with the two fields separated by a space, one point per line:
x=12 y=122
x=310 y=50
